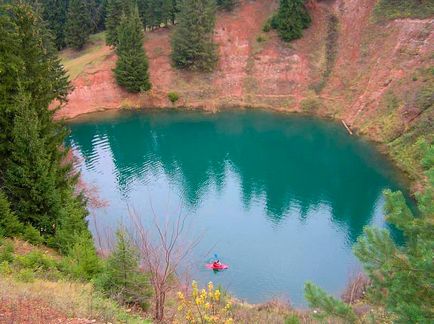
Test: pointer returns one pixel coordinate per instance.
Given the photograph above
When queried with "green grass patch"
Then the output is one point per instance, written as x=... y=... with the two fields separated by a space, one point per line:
x=331 y=50
x=393 y=9
x=75 y=62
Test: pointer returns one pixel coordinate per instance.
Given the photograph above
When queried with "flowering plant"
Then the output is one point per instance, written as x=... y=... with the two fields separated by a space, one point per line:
x=204 y=306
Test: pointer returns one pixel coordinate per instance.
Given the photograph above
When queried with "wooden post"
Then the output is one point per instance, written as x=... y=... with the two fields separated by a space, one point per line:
x=348 y=129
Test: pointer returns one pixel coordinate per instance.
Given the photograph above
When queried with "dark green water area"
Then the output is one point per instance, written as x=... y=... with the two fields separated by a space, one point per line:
x=279 y=198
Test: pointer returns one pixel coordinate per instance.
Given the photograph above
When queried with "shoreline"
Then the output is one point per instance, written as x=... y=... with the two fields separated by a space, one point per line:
x=381 y=147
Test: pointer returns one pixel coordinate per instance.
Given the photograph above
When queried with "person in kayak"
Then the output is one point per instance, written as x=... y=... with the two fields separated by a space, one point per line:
x=216 y=264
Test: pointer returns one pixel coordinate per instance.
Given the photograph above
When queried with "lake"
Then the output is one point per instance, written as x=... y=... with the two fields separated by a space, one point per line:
x=280 y=198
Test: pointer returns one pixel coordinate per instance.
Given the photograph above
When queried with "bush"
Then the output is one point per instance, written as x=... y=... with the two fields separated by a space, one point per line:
x=36 y=260
x=173 y=97
x=393 y=9
x=204 y=306
x=25 y=275
x=122 y=278
x=260 y=39
x=32 y=235
x=267 y=25
x=82 y=261
x=292 y=319
x=310 y=104
x=326 y=305
x=9 y=223
x=7 y=252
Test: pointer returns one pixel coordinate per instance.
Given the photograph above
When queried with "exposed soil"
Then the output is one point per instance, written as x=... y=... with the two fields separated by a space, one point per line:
x=371 y=59
x=33 y=311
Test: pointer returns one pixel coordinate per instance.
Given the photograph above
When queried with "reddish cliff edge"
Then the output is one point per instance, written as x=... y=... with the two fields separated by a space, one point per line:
x=371 y=59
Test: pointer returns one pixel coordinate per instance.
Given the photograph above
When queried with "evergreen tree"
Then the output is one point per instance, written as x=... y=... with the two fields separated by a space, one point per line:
x=328 y=306
x=82 y=261
x=116 y=9
x=132 y=65
x=227 y=5
x=33 y=172
x=402 y=276
x=122 y=278
x=290 y=20
x=78 y=24
x=192 y=42
x=9 y=223
x=54 y=13
x=30 y=177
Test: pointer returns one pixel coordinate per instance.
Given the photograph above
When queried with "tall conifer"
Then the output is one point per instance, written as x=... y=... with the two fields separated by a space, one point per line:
x=290 y=20
x=33 y=172
x=192 y=42
x=78 y=23
x=54 y=13
x=116 y=9
x=132 y=66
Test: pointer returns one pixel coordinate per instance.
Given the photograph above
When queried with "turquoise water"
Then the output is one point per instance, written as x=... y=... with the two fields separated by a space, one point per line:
x=281 y=199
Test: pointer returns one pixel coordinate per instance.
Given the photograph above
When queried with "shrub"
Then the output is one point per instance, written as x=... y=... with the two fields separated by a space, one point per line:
x=310 y=104
x=267 y=25
x=5 y=268
x=326 y=305
x=32 y=235
x=9 y=223
x=204 y=306
x=7 y=252
x=121 y=278
x=25 y=275
x=82 y=261
x=292 y=319
x=260 y=39
x=173 y=97
x=36 y=260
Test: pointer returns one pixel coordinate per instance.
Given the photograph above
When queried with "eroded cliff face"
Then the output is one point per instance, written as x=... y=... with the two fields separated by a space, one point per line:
x=350 y=72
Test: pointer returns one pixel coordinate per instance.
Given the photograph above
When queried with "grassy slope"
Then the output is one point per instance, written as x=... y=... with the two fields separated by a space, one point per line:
x=93 y=53
x=31 y=278
x=393 y=9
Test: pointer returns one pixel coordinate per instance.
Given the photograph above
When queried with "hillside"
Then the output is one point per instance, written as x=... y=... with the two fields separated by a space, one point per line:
x=350 y=64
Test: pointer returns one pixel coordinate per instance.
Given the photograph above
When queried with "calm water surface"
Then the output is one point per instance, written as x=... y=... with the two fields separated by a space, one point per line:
x=281 y=199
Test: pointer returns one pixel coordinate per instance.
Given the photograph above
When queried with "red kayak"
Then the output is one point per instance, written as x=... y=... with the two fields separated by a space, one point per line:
x=217 y=267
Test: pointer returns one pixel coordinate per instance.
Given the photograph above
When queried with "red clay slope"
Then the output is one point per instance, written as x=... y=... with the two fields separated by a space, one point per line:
x=371 y=59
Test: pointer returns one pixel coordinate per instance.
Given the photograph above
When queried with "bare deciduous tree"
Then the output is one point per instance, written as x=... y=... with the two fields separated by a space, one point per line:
x=161 y=254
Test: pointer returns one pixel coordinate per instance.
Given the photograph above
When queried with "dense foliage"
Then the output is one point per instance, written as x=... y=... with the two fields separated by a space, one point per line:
x=131 y=69
x=156 y=12
x=192 y=42
x=116 y=9
x=401 y=276
x=227 y=5
x=79 y=23
x=122 y=278
x=35 y=178
x=290 y=20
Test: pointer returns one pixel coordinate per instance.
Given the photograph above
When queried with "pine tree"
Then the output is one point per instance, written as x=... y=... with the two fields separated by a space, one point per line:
x=327 y=305
x=9 y=223
x=132 y=65
x=116 y=9
x=290 y=20
x=227 y=5
x=122 y=278
x=402 y=276
x=33 y=172
x=30 y=177
x=192 y=42
x=78 y=24
x=82 y=261
x=54 y=13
